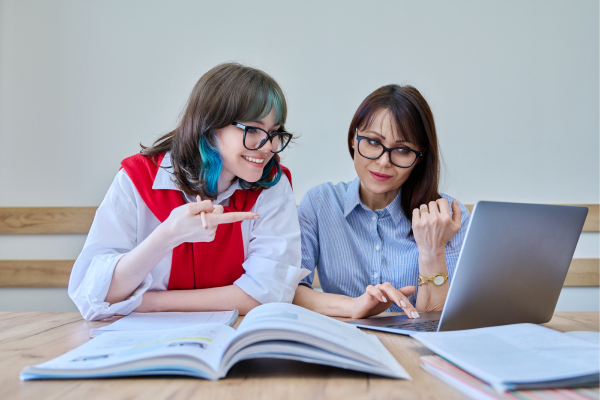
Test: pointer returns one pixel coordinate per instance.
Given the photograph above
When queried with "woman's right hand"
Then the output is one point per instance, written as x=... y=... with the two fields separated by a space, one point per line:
x=379 y=298
x=185 y=222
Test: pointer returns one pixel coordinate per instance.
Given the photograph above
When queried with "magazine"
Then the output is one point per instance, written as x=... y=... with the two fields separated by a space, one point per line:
x=274 y=330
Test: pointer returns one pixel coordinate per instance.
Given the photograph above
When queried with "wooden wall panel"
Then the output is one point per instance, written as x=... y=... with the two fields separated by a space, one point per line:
x=582 y=272
x=35 y=273
x=592 y=222
x=35 y=220
x=48 y=220
x=55 y=273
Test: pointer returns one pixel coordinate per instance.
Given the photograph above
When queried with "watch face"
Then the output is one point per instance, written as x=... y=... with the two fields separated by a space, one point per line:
x=438 y=280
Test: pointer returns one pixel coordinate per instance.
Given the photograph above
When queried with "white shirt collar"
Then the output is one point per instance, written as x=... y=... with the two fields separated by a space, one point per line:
x=165 y=180
x=164 y=177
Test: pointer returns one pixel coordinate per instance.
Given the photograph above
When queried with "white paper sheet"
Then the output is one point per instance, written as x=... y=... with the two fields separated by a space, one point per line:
x=588 y=336
x=517 y=353
x=160 y=321
x=329 y=332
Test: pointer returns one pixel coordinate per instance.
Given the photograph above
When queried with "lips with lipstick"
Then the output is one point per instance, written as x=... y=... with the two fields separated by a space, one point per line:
x=380 y=177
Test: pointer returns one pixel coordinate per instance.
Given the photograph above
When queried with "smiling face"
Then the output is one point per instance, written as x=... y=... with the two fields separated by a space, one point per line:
x=238 y=161
x=380 y=180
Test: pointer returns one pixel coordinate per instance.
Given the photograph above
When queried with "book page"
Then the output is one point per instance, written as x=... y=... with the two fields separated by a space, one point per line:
x=592 y=337
x=157 y=321
x=339 y=336
x=517 y=353
x=203 y=342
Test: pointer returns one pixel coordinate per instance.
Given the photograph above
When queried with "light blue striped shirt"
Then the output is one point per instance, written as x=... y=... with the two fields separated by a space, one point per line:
x=353 y=246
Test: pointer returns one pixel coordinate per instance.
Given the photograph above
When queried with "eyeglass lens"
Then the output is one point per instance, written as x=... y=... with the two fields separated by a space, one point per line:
x=400 y=157
x=256 y=138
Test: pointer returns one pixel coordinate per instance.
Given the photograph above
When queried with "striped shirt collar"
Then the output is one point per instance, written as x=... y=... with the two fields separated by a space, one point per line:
x=353 y=200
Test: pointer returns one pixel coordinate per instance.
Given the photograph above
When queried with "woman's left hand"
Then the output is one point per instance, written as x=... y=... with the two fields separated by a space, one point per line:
x=434 y=229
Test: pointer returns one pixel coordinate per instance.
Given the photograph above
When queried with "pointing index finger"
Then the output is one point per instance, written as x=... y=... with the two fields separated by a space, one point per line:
x=217 y=219
x=400 y=299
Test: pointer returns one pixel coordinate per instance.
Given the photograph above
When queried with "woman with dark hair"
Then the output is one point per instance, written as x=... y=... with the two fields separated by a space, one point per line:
x=154 y=243
x=376 y=239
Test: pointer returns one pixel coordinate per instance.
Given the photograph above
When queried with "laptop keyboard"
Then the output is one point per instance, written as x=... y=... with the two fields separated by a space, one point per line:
x=424 y=326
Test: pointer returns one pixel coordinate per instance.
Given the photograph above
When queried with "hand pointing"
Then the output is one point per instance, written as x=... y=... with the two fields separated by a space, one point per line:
x=198 y=222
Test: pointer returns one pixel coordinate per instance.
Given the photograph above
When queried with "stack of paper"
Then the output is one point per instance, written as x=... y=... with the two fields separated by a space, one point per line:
x=521 y=356
x=479 y=390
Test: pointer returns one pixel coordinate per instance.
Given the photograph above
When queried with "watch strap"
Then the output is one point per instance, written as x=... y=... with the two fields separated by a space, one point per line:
x=422 y=280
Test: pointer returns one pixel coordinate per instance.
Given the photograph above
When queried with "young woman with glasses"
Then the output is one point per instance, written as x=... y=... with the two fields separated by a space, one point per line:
x=377 y=239
x=205 y=219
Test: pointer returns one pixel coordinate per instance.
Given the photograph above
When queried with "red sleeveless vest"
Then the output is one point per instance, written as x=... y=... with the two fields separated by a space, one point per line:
x=195 y=265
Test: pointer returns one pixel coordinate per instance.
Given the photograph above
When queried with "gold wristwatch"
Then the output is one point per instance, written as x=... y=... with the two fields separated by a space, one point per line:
x=437 y=280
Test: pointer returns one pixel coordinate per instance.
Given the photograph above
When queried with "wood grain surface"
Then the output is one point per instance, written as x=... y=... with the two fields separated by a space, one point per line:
x=35 y=273
x=592 y=221
x=32 y=338
x=582 y=272
x=46 y=220
x=55 y=273
x=36 y=220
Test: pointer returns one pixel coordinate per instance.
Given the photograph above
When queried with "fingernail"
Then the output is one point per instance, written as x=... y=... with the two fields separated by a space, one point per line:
x=402 y=303
x=415 y=314
x=256 y=217
x=384 y=299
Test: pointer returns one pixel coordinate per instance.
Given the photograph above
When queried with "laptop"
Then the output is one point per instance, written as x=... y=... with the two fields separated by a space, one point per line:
x=511 y=269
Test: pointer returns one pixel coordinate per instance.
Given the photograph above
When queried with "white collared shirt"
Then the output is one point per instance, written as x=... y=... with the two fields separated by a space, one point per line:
x=271 y=246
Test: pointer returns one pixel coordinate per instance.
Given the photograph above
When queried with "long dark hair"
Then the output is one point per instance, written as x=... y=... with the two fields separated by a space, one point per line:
x=414 y=121
x=229 y=92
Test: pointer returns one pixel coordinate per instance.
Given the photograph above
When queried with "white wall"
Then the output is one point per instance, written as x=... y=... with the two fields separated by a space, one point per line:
x=514 y=87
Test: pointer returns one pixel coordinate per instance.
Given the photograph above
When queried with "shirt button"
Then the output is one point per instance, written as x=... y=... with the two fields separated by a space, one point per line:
x=377 y=247
x=375 y=275
x=374 y=217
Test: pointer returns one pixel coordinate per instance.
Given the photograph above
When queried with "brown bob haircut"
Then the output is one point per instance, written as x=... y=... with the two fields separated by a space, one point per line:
x=229 y=92
x=413 y=122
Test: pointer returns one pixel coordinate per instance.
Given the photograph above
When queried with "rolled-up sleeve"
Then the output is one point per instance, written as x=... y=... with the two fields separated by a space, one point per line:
x=273 y=261
x=112 y=235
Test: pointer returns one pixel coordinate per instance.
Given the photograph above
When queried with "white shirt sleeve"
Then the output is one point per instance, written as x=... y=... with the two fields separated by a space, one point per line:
x=112 y=235
x=273 y=254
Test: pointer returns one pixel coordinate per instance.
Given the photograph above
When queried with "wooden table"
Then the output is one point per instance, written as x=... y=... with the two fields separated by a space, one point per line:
x=32 y=338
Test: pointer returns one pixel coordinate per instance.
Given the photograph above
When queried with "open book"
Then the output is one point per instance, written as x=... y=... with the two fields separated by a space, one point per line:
x=274 y=330
x=520 y=356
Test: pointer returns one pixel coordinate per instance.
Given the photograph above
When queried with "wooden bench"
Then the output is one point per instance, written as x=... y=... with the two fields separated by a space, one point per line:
x=77 y=220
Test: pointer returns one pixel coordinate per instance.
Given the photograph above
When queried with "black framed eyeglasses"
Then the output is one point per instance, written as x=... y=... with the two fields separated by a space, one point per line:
x=402 y=157
x=255 y=138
